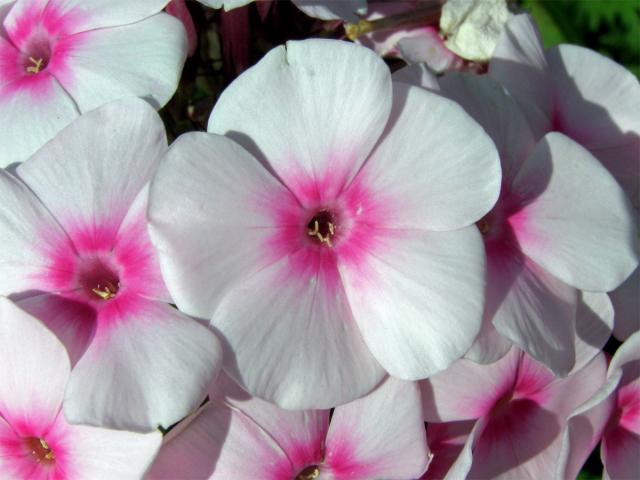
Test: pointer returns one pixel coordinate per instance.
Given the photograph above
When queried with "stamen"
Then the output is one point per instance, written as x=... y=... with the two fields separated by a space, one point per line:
x=315 y=232
x=309 y=473
x=37 y=65
x=108 y=292
x=40 y=449
x=483 y=226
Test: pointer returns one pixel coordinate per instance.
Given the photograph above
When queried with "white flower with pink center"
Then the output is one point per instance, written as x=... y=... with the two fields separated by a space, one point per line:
x=381 y=435
x=76 y=255
x=520 y=410
x=340 y=244
x=61 y=58
x=562 y=224
x=36 y=442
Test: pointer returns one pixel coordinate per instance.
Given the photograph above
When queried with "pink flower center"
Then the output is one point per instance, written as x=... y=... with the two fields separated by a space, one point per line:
x=39 y=450
x=309 y=473
x=322 y=228
x=98 y=279
x=37 y=55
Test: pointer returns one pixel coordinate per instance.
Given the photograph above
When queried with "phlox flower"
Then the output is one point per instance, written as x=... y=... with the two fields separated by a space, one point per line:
x=589 y=98
x=75 y=253
x=340 y=244
x=36 y=442
x=612 y=416
x=61 y=58
x=562 y=224
x=381 y=435
x=520 y=411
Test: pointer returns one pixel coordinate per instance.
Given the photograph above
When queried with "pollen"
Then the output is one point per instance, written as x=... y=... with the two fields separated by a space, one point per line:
x=37 y=65
x=309 y=473
x=106 y=292
x=40 y=450
x=322 y=228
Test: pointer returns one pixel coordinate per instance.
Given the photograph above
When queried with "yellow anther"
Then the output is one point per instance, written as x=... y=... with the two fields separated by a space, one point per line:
x=316 y=229
x=315 y=232
x=354 y=30
x=309 y=473
x=37 y=65
x=107 y=293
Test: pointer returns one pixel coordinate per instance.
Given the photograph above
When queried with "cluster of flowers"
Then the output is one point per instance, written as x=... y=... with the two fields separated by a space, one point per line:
x=343 y=256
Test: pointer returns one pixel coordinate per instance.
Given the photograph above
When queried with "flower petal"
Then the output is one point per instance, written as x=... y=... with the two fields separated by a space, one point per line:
x=596 y=104
x=31 y=115
x=34 y=370
x=626 y=303
x=378 y=436
x=576 y=222
x=466 y=390
x=91 y=173
x=534 y=310
x=434 y=162
x=490 y=345
x=144 y=59
x=155 y=355
x=207 y=218
x=293 y=340
x=432 y=307
x=310 y=109
x=594 y=322
x=328 y=10
x=213 y=444
x=418 y=75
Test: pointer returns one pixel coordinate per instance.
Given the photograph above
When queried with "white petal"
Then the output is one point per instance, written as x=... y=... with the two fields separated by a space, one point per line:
x=315 y=108
x=534 y=310
x=626 y=303
x=92 y=172
x=149 y=368
x=102 y=454
x=381 y=435
x=596 y=103
x=30 y=239
x=594 y=322
x=435 y=164
x=576 y=221
x=144 y=60
x=292 y=340
x=208 y=218
x=489 y=104
x=489 y=346
x=430 y=313
x=34 y=369
x=332 y=10
x=519 y=63
x=29 y=118
x=418 y=75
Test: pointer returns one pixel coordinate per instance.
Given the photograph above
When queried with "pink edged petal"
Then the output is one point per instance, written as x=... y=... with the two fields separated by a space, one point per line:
x=98 y=453
x=520 y=65
x=381 y=435
x=107 y=63
x=331 y=10
x=314 y=108
x=594 y=322
x=431 y=311
x=178 y=9
x=210 y=218
x=92 y=172
x=299 y=433
x=534 y=310
x=466 y=390
x=146 y=368
x=576 y=221
x=290 y=336
x=463 y=463
x=220 y=443
x=103 y=13
x=626 y=304
x=435 y=166
x=596 y=104
x=446 y=441
x=497 y=113
x=32 y=111
x=34 y=370
x=31 y=240
x=72 y=322
x=418 y=75
x=490 y=345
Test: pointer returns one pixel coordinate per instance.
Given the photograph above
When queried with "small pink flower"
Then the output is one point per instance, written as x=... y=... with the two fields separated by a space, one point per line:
x=562 y=224
x=76 y=254
x=520 y=411
x=342 y=246
x=36 y=442
x=60 y=58
x=237 y=436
